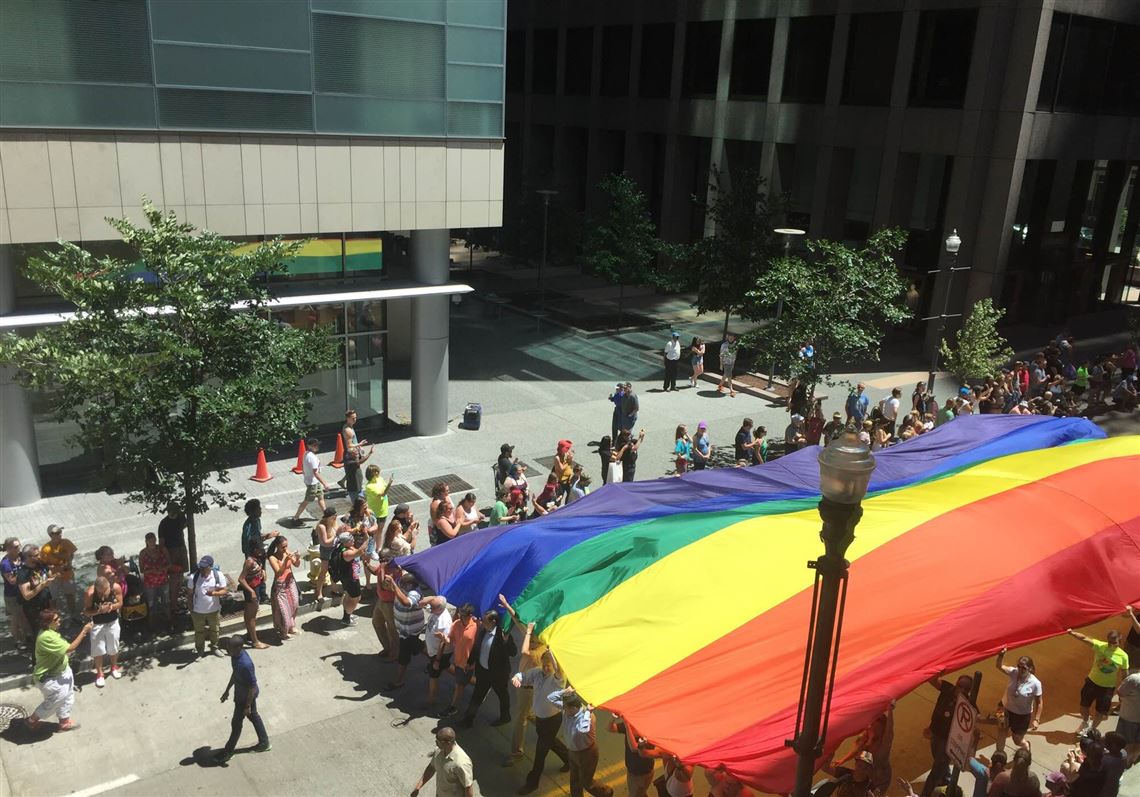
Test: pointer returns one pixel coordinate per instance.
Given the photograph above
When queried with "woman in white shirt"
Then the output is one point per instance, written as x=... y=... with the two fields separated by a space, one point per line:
x=1022 y=701
x=467 y=516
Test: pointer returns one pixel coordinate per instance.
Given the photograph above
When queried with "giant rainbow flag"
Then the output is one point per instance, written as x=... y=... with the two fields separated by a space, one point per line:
x=684 y=603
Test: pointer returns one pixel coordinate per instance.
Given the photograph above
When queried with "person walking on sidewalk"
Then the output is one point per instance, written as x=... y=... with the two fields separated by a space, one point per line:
x=727 y=363
x=354 y=457
x=456 y=776
x=243 y=681
x=207 y=586
x=672 y=361
x=543 y=681
x=581 y=743
x=102 y=604
x=315 y=484
x=1109 y=662
x=53 y=672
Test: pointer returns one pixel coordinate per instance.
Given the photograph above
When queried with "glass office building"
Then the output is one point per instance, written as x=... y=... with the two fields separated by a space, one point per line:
x=367 y=128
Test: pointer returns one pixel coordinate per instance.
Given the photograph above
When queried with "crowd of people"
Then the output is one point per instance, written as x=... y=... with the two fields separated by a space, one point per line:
x=353 y=553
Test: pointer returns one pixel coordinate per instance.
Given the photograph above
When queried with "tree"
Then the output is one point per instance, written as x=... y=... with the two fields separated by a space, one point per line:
x=727 y=264
x=979 y=349
x=163 y=374
x=621 y=243
x=842 y=301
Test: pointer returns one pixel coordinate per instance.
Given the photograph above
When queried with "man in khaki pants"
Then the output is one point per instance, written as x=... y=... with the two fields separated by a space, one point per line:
x=206 y=586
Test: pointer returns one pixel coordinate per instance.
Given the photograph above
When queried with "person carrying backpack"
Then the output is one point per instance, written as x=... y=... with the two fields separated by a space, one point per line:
x=206 y=585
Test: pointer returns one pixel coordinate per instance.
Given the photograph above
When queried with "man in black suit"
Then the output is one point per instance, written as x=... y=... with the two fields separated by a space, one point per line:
x=493 y=650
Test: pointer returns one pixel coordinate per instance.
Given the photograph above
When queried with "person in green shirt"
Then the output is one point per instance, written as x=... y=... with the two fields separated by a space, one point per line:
x=53 y=672
x=376 y=493
x=946 y=414
x=1109 y=661
x=501 y=513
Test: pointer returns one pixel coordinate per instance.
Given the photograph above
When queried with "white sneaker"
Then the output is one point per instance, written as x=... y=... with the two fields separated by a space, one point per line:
x=100 y=681
x=1081 y=731
x=116 y=673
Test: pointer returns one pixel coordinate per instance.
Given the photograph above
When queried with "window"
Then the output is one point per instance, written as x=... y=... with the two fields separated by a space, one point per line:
x=516 y=61
x=617 y=41
x=1121 y=87
x=871 y=50
x=809 y=53
x=579 y=60
x=1051 y=71
x=656 y=60
x=1084 y=65
x=702 y=59
x=942 y=58
x=544 y=61
x=751 y=58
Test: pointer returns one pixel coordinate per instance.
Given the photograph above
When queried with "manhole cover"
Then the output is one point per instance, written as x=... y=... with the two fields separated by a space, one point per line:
x=401 y=494
x=456 y=484
x=9 y=712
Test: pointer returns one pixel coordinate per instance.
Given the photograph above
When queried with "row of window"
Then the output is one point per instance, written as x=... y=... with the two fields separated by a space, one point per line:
x=1087 y=64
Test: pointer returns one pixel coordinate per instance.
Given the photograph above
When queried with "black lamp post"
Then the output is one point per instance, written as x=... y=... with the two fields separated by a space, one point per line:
x=789 y=233
x=845 y=469
x=546 y=194
x=953 y=244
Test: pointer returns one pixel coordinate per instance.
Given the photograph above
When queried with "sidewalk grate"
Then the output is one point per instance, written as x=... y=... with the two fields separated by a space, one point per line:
x=401 y=494
x=454 y=482
x=545 y=462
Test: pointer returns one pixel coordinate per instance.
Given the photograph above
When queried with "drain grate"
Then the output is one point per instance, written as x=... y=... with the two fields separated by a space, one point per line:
x=10 y=712
x=546 y=462
x=456 y=484
x=401 y=494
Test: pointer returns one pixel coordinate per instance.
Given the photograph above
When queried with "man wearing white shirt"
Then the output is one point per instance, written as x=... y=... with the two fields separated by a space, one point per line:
x=315 y=484
x=206 y=586
x=890 y=410
x=581 y=743
x=543 y=681
x=435 y=641
x=672 y=358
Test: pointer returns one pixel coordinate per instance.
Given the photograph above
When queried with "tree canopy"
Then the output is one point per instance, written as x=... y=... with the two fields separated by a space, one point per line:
x=979 y=349
x=171 y=375
x=842 y=301
x=727 y=264
x=621 y=243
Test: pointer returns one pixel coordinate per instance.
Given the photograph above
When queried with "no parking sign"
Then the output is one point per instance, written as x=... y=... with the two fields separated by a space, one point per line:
x=960 y=742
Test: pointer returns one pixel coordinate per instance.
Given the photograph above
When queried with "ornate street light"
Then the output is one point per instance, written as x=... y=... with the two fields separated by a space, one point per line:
x=845 y=469
x=789 y=234
x=953 y=244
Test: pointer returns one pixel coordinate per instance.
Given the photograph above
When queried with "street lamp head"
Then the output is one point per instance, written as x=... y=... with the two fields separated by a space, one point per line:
x=789 y=231
x=953 y=242
x=845 y=469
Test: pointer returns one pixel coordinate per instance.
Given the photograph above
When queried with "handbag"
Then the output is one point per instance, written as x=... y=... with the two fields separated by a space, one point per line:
x=615 y=473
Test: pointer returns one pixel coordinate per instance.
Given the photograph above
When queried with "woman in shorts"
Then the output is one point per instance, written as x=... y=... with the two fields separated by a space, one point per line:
x=1022 y=701
x=102 y=603
x=697 y=358
x=250 y=579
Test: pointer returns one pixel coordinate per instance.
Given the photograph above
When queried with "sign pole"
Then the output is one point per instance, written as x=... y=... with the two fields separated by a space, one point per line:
x=955 y=771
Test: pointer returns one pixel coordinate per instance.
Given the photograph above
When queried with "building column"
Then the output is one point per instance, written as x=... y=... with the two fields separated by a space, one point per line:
x=19 y=462
x=430 y=331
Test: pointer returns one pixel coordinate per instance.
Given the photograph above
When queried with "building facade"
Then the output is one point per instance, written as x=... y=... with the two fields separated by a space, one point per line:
x=367 y=127
x=1017 y=122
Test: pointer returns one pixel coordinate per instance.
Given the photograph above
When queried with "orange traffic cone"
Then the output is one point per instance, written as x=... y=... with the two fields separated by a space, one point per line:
x=262 y=474
x=300 y=466
x=338 y=460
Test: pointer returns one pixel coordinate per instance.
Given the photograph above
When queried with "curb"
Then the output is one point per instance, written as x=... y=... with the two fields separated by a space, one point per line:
x=226 y=627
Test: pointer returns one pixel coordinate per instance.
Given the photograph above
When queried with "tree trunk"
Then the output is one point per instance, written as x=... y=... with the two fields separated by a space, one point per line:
x=621 y=304
x=726 y=314
x=189 y=501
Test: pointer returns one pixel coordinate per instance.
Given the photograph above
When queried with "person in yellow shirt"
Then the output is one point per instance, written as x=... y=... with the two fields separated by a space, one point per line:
x=58 y=554
x=1109 y=662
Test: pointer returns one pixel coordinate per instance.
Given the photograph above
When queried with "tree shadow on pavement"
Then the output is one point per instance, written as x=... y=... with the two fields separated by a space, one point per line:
x=360 y=669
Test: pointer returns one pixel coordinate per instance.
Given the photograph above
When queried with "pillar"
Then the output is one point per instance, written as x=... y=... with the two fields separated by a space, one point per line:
x=430 y=331
x=19 y=462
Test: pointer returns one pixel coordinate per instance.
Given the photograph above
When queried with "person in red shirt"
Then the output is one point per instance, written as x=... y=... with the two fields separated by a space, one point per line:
x=154 y=562
x=813 y=427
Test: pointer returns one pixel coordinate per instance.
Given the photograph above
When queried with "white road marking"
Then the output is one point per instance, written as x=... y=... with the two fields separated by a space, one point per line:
x=91 y=791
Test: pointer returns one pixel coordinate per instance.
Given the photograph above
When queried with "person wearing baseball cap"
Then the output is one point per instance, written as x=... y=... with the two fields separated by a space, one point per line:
x=57 y=553
x=834 y=428
x=207 y=585
x=503 y=465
